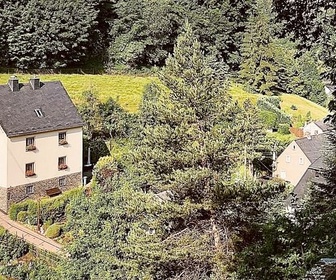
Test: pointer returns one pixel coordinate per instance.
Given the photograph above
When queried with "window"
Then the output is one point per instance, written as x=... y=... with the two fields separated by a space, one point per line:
x=283 y=174
x=61 y=182
x=293 y=147
x=315 y=132
x=301 y=160
x=287 y=158
x=62 y=138
x=30 y=169
x=30 y=144
x=38 y=113
x=29 y=189
x=62 y=163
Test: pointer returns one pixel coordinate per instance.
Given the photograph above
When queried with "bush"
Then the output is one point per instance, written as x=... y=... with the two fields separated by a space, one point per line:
x=52 y=209
x=284 y=129
x=22 y=216
x=16 y=208
x=46 y=225
x=14 y=247
x=265 y=105
x=269 y=119
x=54 y=231
x=293 y=107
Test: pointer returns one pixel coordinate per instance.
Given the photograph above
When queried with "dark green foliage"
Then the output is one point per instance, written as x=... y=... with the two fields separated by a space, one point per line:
x=170 y=207
x=268 y=118
x=267 y=104
x=11 y=247
x=105 y=120
x=144 y=33
x=47 y=34
x=284 y=128
x=34 y=270
x=52 y=209
x=258 y=67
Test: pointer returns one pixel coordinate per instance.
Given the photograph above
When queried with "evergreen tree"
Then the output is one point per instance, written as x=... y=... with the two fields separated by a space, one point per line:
x=144 y=32
x=42 y=34
x=191 y=148
x=173 y=208
x=259 y=68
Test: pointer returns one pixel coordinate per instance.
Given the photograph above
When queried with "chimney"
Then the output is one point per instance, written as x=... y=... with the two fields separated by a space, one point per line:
x=35 y=82
x=13 y=83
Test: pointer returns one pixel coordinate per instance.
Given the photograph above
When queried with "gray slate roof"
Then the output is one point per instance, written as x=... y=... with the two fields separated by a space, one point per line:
x=324 y=269
x=312 y=147
x=17 y=115
x=324 y=126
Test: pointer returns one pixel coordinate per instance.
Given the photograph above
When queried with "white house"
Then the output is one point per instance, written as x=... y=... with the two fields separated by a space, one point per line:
x=40 y=141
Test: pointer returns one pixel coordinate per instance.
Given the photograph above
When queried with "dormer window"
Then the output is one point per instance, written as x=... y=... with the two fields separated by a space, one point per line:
x=38 y=113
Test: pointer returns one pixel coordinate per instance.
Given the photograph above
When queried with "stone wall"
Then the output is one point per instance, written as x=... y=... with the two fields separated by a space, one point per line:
x=3 y=199
x=18 y=193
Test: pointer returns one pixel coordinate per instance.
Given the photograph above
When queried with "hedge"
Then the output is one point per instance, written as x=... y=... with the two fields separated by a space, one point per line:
x=51 y=209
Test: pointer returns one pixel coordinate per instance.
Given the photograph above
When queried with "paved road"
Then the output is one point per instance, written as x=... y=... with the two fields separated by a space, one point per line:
x=30 y=236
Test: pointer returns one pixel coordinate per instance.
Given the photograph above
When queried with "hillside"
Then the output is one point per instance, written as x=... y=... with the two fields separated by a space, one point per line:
x=128 y=89
x=287 y=100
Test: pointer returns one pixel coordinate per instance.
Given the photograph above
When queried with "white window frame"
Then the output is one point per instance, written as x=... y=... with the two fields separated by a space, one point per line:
x=288 y=159
x=29 y=189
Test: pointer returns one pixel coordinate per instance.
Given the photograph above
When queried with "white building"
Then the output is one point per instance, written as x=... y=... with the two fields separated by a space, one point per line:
x=40 y=141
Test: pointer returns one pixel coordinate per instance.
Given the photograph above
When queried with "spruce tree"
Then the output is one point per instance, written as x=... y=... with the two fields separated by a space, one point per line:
x=192 y=144
x=258 y=67
x=172 y=208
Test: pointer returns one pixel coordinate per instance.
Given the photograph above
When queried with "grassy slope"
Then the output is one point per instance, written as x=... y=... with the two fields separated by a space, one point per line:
x=287 y=100
x=128 y=90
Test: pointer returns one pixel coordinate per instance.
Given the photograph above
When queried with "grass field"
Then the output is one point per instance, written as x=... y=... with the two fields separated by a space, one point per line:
x=128 y=89
x=287 y=100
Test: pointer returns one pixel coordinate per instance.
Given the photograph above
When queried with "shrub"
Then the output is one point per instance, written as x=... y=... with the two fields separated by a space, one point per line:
x=16 y=208
x=22 y=216
x=46 y=225
x=284 y=129
x=54 y=231
x=14 y=247
x=269 y=119
x=282 y=117
x=52 y=209
x=293 y=107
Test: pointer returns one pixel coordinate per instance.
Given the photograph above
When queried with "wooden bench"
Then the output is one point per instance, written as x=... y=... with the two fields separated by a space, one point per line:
x=53 y=191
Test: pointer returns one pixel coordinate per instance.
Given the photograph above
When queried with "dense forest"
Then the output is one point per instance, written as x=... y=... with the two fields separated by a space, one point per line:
x=181 y=202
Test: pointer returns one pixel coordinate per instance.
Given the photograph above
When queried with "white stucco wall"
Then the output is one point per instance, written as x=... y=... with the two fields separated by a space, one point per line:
x=289 y=166
x=3 y=158
x=45 y=157
x=311 y=129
